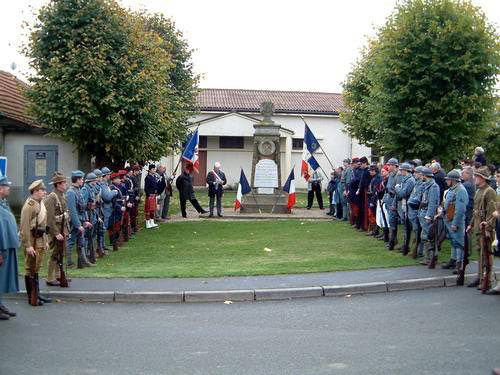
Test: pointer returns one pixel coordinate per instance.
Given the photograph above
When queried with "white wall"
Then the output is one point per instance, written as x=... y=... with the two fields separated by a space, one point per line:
x=14 y=150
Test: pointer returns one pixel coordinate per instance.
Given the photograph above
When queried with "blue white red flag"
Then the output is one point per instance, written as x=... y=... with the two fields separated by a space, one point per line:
x=289 y=187
x=309 y=162
x=190 y=153
x=243 y=188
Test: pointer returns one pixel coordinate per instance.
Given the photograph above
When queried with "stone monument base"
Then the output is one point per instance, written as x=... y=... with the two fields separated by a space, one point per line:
x=265 y=202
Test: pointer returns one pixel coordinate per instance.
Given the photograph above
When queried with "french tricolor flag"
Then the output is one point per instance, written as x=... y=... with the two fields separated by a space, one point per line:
x=309 y=162
x=289 y=187
x=190 y=153
x=243 y=188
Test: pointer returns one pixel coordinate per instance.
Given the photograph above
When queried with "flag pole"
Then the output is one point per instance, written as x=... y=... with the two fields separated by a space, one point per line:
x=253 y=195
x=281 y=193
x=321 y=147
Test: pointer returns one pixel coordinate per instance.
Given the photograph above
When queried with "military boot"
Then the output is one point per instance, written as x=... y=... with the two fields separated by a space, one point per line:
x=376 y=232
x=82 y=258
x=433 y=260
x=452 y=263
x=458 y=267
x=392 y=239
x=100 y=252
x=40 y=297
x=427 y=251
x=370 y=231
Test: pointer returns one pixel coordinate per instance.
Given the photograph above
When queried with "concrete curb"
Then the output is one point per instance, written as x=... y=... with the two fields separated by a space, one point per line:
x=194 y=296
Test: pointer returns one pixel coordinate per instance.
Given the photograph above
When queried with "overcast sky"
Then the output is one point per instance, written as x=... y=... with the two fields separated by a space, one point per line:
x=253 y=44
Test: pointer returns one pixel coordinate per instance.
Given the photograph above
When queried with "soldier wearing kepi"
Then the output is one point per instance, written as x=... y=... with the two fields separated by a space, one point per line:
x=117 y=209
x=33 y=234
x=78 y=219
x=89 y=199
x=9 y=243
x=403 y=192
x=99 y=230
x=454 y=218
x=390 y=200
x=426 y=214
x=57 y=221
x=413 y=206
x=483 y=220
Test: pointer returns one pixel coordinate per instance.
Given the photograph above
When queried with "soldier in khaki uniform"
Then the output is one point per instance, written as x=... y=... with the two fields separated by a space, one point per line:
x=32 y=230
x=57 y=221
x=484 y=207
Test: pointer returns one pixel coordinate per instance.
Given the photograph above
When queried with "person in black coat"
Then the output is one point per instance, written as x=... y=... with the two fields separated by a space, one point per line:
x=150 y=189
x=184 y=184
x=216 y=179
x=439 y=176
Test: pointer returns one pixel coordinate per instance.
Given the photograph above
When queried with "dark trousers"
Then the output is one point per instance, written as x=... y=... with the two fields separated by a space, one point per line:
x=195 y=204
x=316 y=188
x=218 y=195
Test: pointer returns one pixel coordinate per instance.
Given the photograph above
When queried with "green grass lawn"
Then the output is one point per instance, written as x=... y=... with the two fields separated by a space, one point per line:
x=235 y=248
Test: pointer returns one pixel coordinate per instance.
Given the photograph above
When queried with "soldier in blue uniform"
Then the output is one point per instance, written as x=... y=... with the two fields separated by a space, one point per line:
x=106 y=196
x=454 y=217
x=117 y=209
x=391 y=202
x=89 y=198
x=100 y=230
x=78 y=219
x=427 y=214
x=9 y=243
x=403 y=191
x=413 y=205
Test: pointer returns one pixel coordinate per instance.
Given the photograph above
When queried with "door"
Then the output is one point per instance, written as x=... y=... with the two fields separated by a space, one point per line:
x=40 y=162
x=200 y=178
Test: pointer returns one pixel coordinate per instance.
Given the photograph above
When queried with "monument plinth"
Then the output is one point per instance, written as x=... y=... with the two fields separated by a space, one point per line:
x=266 y=167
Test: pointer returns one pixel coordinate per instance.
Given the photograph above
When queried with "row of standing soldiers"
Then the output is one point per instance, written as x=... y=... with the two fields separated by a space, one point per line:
x=430 y=205
x=76 y=215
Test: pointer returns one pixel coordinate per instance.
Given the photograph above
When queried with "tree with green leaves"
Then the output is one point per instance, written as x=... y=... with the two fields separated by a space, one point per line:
x=430 y=81
x=104 y=81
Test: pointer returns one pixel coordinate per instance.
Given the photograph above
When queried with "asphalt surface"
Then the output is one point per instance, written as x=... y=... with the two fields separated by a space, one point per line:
x=437 y=331
x=257 y=282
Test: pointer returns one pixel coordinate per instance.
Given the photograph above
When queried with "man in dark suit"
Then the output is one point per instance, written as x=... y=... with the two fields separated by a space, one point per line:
x=184 y=184
x=216 y=179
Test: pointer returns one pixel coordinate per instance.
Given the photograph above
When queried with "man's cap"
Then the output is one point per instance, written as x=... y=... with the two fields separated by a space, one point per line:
x=417 y=162
x=78 y=174
x=406 y=166
x=115 y=175
x=105 y=171
x=420 y=169
x=36 y=185
x=355 y=160
x=122 y=172
x=136 y=167
x=363 y=160
x=427 y=172
x=151 y=166
x=453 y=175
x=58 y=177
x=484 y=172
x=347 y=160
x=97 y=172
x=393 y=161
x=90 y=177
x=4 y=181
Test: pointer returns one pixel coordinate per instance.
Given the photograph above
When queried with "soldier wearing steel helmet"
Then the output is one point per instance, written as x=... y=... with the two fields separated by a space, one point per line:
x=403 y=192
x=413 y=205
x=454 y=217
x=427 y=212
x=390 y=200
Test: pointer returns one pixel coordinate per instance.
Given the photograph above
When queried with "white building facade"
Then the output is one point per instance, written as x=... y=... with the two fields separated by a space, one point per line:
x=226 y=126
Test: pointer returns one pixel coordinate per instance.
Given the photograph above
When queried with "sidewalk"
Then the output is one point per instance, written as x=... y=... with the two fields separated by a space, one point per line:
x=257 y=287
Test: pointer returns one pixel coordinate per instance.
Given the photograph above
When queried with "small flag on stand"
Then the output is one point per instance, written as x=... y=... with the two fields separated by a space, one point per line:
x=309 y=162
x=289 y=187
x=243 y=188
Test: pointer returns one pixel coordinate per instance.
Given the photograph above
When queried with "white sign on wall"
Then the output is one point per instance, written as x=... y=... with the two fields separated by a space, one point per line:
x=266 y=174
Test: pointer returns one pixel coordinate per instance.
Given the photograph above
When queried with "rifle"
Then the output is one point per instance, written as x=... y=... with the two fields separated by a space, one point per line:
x=90 y=240
x=485 y=244
x=32 y=276
x=63 y=281
x=461 y=272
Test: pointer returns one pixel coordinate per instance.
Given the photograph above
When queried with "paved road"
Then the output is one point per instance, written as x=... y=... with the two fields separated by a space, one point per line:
x=441 y=331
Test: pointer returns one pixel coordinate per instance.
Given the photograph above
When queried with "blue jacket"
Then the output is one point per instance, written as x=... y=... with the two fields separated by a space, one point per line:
x=405 y=188
x=430 y=200
x=8 y=228
x=390 y=198
x=76 y=207
x=88 y=195
x=458 y=196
